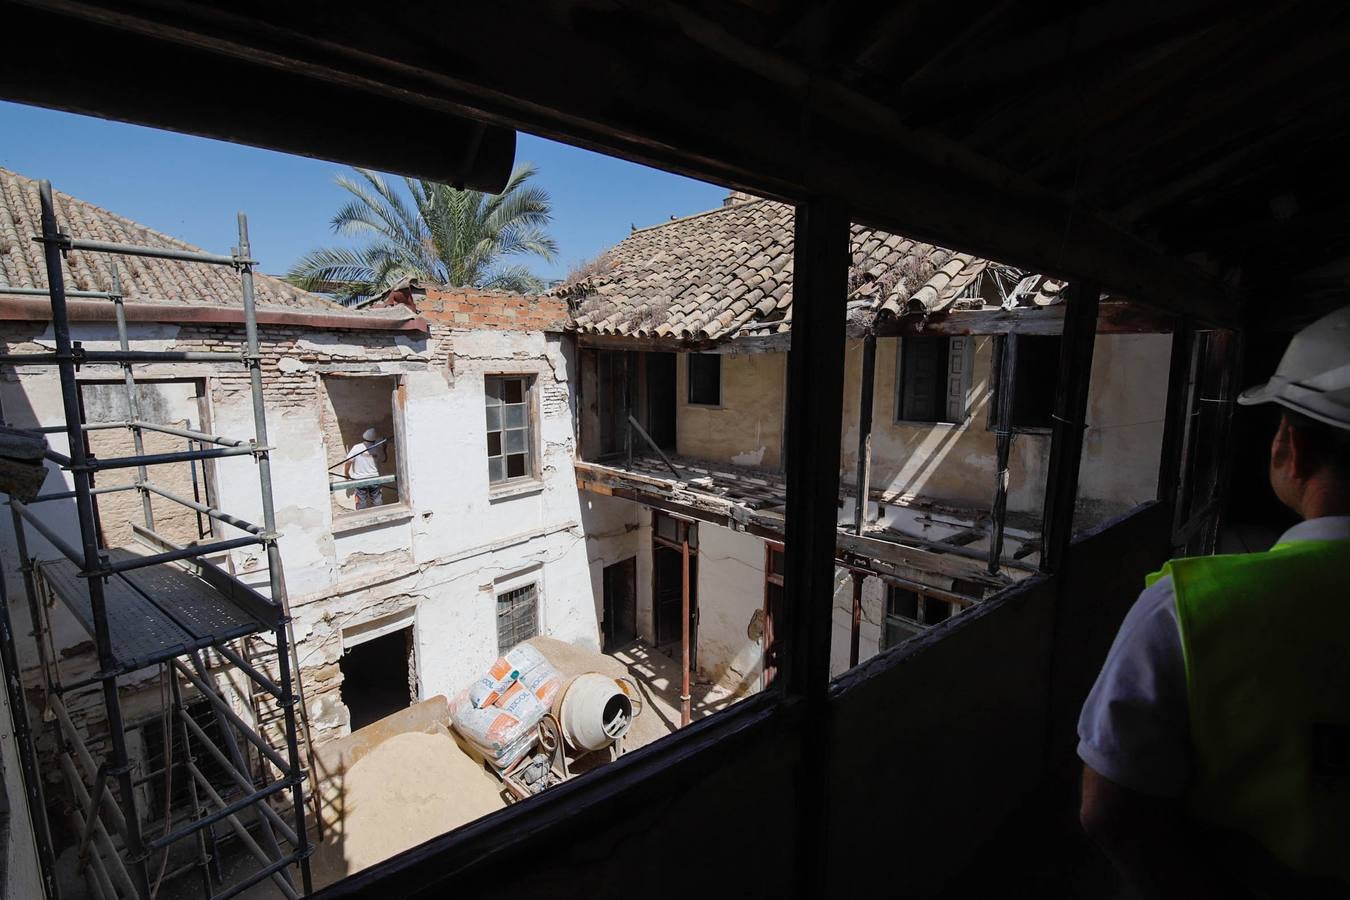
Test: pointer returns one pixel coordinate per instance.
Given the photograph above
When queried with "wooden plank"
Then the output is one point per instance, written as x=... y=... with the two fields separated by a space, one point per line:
x=1117 y=317
x=916 y=558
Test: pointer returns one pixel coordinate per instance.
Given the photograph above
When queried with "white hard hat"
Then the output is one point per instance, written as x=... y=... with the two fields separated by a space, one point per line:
x=1313 y=377
x=368 y=434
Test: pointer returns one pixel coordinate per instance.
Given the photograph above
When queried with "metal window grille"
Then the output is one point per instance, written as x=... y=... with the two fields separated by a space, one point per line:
x=517 y=616
x=509 y=442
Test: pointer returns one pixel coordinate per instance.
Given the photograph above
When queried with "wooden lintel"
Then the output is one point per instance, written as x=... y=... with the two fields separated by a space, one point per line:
x=1117 y=317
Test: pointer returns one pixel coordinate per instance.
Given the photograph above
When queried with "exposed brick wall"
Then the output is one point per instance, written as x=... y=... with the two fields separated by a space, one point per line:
x=471 y=308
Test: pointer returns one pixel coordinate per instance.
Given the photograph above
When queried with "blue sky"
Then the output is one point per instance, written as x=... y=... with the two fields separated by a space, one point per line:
x=191 y=187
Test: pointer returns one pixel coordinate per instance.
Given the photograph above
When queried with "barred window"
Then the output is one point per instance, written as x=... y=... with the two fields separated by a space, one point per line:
x=517 y=616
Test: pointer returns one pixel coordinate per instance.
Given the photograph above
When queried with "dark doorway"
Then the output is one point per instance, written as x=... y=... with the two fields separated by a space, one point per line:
x=668 y=584
x=620 y=622
x=375 y=677
x=661 y=399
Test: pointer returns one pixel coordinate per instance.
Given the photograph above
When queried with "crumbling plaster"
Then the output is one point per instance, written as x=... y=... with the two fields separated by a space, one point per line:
x=746 y=428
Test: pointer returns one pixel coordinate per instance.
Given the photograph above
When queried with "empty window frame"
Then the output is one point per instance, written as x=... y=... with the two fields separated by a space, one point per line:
x=909 y=612
x=1035 y=375
x=511 y=454
x=933 y=378
x=363 y=473
x=705 y=379
x=517 y=616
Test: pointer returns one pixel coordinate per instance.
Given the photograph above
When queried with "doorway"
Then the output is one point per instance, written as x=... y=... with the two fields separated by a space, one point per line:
x=661 y=399
x=620 y=593
x=376 y=677
x=668 y=537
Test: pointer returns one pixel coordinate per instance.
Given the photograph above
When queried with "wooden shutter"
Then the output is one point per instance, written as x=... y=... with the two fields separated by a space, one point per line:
x=960 y=362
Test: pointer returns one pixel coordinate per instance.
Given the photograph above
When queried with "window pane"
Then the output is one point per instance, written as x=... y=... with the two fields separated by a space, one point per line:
x=923 y=379
x=496 y=468
x=492 y=391
x=513 y=390
x=935 y=611
x=705 y=379
x=900 y=602
x=515 y=465
x=514 y=415
x=667 y=528
x=494 y=443
x=776 y=562
x=517 y=616
x=517 y=440
x=494 y=418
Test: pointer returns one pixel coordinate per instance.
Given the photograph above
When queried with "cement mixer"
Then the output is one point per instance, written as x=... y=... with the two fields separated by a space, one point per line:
x=595 y=711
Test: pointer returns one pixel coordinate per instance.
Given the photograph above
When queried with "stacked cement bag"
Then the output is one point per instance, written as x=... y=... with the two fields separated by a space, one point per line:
x=499 y=713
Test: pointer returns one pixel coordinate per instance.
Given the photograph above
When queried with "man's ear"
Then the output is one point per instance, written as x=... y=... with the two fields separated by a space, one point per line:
x=1302 y=455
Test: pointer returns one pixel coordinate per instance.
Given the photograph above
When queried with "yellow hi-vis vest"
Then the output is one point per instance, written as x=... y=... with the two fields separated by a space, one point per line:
x=1266 y=638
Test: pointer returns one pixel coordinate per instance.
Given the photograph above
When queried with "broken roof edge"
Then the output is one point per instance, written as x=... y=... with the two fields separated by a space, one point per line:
x=38 y=309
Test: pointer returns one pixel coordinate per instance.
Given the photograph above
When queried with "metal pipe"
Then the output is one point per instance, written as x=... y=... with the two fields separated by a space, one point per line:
x=685 y=712
x=129 y=379
x=195 y=550
x=44 y=292
x=195 y=825
x=250 y=670
x=60 y=543
x=68 y=495
x=211 y=511
x=100 y=785
x=361 y=482
x=80 y=356
x=49 y=672
x=238 y=777
x=203 y=858
x=246 y=839
x=223 y=708
x=192 y=435
x=258 y=876
x=56 y=242
x=855 y=634
x=863 y=485
x=103 y=886
x=35 y=801
x=160 y=459
x=101 y=836
x=59 y=458
x=276 y=580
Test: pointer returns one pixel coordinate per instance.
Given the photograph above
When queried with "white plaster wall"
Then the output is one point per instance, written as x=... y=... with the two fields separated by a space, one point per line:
x=730 y=592
x=841 y=619
x=612 y=528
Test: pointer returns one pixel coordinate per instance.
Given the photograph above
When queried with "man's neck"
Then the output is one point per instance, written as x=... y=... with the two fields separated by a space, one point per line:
x=1325 y=498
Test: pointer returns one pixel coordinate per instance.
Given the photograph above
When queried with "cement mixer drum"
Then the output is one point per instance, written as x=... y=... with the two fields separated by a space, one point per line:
x=595 y=712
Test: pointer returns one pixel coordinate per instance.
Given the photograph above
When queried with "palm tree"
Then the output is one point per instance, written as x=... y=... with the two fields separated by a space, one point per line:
x=434 y=233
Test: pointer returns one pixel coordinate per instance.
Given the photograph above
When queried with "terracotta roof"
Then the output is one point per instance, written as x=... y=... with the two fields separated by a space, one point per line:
x=143 y=278
x=728 y=272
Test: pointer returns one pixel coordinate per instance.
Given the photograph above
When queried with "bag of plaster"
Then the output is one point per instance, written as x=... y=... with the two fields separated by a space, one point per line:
x=499 y=713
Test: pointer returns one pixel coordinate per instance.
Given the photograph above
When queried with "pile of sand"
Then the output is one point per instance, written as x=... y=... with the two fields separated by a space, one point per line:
x=410 y=788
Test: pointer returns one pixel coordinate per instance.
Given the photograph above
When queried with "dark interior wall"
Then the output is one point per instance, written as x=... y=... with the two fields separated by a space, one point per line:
x=935 y=743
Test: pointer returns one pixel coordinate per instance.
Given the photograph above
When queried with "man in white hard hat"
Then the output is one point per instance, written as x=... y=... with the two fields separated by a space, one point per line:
x=363 y=461
x=1216 y=741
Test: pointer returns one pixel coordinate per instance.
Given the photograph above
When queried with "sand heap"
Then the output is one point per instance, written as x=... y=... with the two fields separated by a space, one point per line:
x=410 y=788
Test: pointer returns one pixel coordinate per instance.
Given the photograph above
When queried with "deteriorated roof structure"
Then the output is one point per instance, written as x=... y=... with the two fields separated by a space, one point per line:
x=728 y=273
x=143 y=279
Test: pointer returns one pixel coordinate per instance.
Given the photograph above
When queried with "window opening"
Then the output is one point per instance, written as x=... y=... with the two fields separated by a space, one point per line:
x=1034 y=378
x=363 y=441
x=926 y=380
x=510 y=441
x=517 y=616
x=620 y=598
x=705 y=379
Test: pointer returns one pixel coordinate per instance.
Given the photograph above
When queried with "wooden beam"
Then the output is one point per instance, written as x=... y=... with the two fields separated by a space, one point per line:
x=1070 y=422
x=1117 y=317
x=950 y=564
x=815 y=394
x=863 y=488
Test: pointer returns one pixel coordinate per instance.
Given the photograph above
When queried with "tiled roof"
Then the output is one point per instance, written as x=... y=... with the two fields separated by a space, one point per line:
x=143 y=278
x=728 y=272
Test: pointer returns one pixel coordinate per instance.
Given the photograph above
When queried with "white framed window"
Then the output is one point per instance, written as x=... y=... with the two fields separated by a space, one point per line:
x=509 y=404
x=932 y=378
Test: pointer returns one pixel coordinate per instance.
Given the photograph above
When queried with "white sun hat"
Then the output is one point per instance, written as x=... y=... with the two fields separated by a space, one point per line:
x=369 y=434
x=1313 y=377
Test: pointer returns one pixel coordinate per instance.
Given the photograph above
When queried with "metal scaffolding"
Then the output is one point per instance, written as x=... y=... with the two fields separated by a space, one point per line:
x=171 y=608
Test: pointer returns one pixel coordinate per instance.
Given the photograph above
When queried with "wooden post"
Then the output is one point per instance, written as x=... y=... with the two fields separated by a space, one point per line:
x=863 y=485
x=684 y=625
x=1007 y=392
x=815 y=397
x=856 y=633
x=1174 y=425
x=1070 y=420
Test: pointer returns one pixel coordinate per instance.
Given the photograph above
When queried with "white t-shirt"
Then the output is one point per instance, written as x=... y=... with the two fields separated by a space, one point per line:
x=365 y=462
x=1135 y=725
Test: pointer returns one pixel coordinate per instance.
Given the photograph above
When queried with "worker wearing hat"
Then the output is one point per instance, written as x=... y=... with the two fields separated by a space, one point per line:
x=363 y=461
x=1216 y=741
